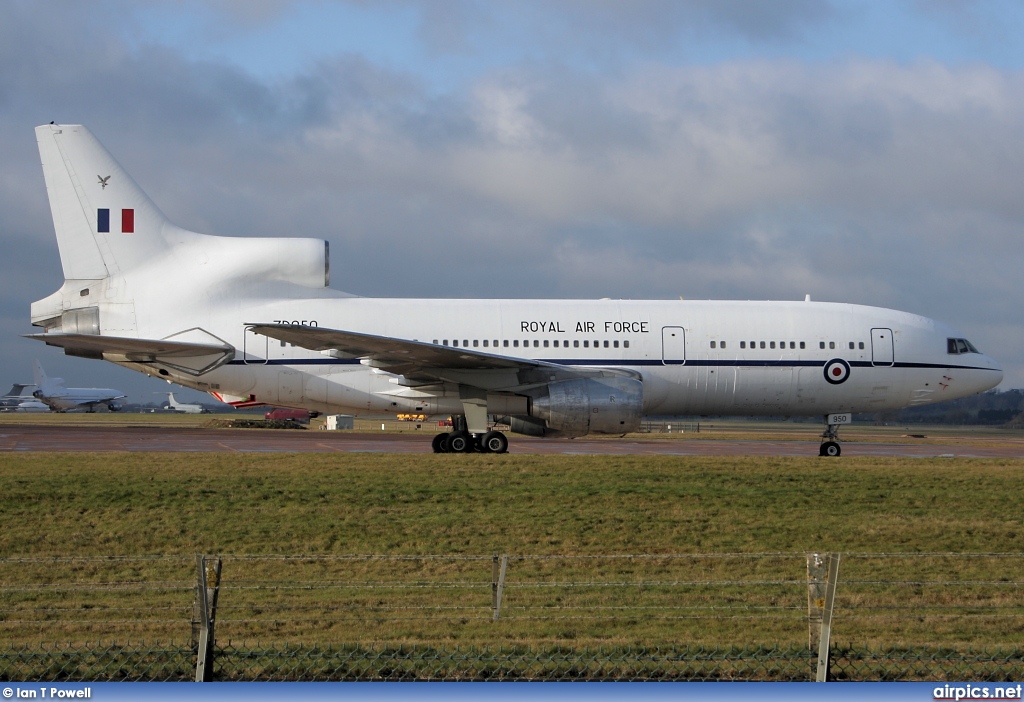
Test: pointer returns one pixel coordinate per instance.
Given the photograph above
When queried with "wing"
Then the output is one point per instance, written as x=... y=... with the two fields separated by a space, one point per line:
x=193 y=357
x=421 y=363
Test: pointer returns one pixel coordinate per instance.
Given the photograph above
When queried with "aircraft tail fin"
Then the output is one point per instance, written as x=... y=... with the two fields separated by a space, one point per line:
x=45 y=385
x=105 y=223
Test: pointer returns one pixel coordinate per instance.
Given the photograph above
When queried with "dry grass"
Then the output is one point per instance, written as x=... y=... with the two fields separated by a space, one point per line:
x=154 y=512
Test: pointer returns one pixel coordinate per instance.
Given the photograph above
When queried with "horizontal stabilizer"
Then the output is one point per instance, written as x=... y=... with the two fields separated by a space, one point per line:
x=194 y=358
x=418 y=360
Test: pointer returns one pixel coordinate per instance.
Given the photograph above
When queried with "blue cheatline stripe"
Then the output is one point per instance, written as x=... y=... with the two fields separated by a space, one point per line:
x=632 y=363
x=103 y=220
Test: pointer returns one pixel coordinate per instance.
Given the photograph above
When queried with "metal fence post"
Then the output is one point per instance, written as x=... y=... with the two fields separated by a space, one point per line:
x=207 y=589
x=826 y=618
x=817 y=572
x=498 y=584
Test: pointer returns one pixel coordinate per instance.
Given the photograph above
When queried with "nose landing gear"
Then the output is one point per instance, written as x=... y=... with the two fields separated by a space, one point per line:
x=830 y=444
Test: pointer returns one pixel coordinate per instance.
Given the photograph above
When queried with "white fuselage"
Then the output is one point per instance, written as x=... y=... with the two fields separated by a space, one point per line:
x=695 y=357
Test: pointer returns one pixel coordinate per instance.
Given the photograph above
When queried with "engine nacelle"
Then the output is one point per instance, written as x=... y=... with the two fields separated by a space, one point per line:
x=115 y=406
x=580 y=407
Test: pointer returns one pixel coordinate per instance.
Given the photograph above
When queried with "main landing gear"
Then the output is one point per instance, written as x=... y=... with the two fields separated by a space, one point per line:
x=461 y=441
x=830 y=445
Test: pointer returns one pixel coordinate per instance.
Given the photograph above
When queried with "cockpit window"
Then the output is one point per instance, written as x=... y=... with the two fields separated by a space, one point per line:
x=959 y=346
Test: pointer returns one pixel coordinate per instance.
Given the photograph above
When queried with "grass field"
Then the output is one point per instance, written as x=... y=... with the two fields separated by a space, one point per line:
x=328 y=506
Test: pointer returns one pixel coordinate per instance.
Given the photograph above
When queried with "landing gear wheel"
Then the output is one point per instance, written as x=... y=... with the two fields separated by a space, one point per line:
x=830 y=448
x=494 y=442
x=440 y=443
x=459 y=442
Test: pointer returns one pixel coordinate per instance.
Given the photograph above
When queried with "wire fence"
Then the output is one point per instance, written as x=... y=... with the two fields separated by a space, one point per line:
x=919 y=616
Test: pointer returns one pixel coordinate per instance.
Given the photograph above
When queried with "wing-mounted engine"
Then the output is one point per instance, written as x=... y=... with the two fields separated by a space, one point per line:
x=584 y=406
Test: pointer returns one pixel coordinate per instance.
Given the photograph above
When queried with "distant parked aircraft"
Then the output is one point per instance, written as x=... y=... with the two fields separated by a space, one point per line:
x=21 y=399
x=176 y=406
x=53 y=394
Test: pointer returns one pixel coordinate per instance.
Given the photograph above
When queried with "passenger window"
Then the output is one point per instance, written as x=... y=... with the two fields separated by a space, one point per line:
x=792 y=344
x=803 y=345
x=515 y=343
x=586 y=344
x=606 y=344
x=831 y=344
x=545 y=343
x=435 y=342
x=712 y=344
x=743 y=344
x=762 y=344
x=536 y=344
x=821 y=344
x=615 y=344
x=851 y=346
x=625 y=344
x=476 y=343
x=860 y=345
x=772 y=344
x=723 y=344
x=576 y=343
x=505 y=343
x=446 y=342
x=485 y=343
x=465 y=343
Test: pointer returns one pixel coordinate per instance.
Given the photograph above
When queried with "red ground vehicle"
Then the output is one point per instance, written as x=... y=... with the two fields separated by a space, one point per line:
x=283 y=413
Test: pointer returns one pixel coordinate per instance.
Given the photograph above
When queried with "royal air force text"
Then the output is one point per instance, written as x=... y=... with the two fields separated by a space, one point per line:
x=616 y=327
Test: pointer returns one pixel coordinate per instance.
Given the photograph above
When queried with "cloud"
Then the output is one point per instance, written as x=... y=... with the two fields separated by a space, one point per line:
x=859 y=180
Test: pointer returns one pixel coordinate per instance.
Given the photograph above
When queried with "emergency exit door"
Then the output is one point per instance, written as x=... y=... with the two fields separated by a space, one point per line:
x=882 y=353
x=673 y=346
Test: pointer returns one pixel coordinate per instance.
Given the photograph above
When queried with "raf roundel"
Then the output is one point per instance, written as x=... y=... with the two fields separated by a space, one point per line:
x=837 y=371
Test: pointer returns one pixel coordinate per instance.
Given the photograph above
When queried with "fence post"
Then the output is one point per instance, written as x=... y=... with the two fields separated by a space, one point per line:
x=817 y=572
x=207 y=589
x=831 y=583
x=498 y=584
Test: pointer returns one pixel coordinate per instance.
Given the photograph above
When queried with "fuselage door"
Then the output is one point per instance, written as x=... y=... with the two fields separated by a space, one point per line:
x=881 y=347
x=255 y=347
x=673 y=346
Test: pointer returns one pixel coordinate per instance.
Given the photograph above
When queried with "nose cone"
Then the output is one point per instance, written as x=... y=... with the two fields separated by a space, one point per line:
x=986 y=375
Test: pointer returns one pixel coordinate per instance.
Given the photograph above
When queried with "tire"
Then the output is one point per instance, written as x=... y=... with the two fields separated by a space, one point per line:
x=494 y=442
x=831 y=449
x=459 y=442
x=440 y=443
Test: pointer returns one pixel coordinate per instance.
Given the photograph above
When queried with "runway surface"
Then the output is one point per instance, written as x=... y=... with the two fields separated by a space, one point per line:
x=28 y=438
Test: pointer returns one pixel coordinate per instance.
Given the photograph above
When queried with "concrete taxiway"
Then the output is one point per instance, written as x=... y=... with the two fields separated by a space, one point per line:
x=28 y=437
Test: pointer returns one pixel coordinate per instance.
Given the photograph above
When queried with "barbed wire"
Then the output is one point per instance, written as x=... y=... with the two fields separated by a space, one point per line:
x=133 y=585
x=189 y=558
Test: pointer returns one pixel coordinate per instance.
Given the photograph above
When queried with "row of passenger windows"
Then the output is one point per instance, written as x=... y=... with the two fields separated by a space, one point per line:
x=537 y=343
x=783 y=344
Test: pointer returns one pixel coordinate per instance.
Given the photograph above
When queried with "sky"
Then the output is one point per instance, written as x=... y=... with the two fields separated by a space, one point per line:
x=864 y=152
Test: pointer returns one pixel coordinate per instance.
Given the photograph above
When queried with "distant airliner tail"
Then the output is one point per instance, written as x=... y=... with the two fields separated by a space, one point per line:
x=45 y=386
